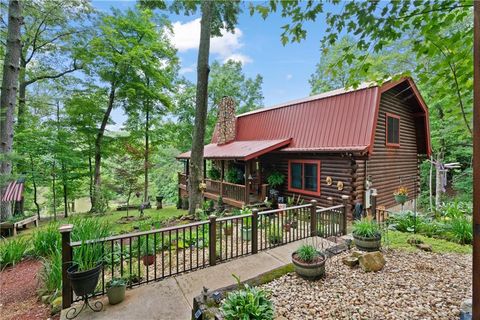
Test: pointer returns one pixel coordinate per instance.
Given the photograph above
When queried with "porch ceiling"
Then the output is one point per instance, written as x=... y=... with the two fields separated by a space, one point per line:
x=240 y=150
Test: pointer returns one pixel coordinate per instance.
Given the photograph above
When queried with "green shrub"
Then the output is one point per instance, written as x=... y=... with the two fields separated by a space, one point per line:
x=366 y=228
x=51 y=275
x=275 y=236
x=116 y=282
x=234 y=175
x=46 y=241
x=307 y=253
x=406 y=221
x=460 y=229
x=213 y=173
x=247 y=303
x=12 y=251
x=431 y=228
x=453 y=209
x=275 y=179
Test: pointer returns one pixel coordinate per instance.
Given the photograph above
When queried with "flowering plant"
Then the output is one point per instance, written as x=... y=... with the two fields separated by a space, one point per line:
x=402 y=191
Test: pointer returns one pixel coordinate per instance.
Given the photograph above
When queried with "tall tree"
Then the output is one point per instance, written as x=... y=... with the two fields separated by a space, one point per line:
x=126 y=42
x=8 y=95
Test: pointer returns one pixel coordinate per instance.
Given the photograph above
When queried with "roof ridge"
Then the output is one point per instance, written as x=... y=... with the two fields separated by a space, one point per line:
x=319 y=96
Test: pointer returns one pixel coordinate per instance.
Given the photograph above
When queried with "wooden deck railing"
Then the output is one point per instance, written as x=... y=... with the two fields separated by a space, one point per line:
x=152 y=255
x=233 y=191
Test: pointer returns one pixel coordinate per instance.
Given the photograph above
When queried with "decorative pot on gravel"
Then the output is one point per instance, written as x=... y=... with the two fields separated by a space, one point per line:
x=148 y=252
x=247 y=229
x=116 y=290
x=367 y=235
x=308 y=262
x=228 y=229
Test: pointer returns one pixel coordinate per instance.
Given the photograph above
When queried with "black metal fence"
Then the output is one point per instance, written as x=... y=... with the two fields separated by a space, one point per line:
x=152 y=255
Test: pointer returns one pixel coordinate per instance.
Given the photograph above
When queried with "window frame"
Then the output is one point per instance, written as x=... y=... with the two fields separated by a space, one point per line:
x=387 y=143
x=303 y=190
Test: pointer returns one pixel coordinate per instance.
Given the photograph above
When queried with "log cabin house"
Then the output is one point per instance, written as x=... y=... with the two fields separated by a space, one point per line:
x=342 y=142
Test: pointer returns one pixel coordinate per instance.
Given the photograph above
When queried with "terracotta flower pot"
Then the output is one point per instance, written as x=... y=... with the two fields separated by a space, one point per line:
x=148 y=259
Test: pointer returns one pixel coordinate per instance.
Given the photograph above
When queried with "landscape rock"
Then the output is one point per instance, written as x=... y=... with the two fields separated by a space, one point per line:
x=414 y=241
x=350 y=261
x=372 y=261
x=357 y=253
x=424 y=247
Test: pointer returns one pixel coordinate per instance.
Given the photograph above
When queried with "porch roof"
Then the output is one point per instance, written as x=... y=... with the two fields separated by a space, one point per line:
x=240 y=150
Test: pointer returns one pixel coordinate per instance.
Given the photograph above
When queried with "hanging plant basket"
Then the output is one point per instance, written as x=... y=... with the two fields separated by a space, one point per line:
x=401 y=198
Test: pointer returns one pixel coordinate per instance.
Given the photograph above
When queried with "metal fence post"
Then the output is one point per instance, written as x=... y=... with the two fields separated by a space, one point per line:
x=67 y=296
x=313 y=218
x=254 y=231
x=345 y=199
x=212 y=240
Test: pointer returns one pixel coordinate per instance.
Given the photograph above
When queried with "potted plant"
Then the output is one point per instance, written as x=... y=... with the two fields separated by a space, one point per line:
x=275 y=179
x=220 y=205
x=247 y=229
x=85 y=269
x=116 y=290
x=309 y=263
x=367 y=235
x=148 y=252
x=401 y=195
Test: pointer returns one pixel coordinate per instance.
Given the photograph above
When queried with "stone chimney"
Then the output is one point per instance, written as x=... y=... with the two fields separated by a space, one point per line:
x=226 y=122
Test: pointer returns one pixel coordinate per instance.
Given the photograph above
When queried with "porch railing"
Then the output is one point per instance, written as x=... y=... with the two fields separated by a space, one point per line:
x=152 y=255
x=182 y=178
x=233 y=191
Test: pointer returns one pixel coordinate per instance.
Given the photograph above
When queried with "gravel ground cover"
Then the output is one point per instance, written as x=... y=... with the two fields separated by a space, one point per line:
x=412 y=285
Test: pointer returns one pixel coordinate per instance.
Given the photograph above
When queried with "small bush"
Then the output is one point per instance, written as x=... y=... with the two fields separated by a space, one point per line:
x=460 y=230
x=51 y=275
x=46 y=241
x=406 y=221
x=247 y=303
x=12 y=252
x=275 y=236
x=116 y=282
x=366 y=228
x=307 y=253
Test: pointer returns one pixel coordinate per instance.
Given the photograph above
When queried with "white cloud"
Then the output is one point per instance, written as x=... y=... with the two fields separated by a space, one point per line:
x=186 y=36
x=186 y=70
x=289 y=76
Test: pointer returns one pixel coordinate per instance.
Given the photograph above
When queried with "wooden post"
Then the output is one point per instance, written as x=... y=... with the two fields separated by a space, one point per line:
x=254 y=231
x=345 y=199
x=212 y=240
x=222 y=177
x=67 y=296
x=247 y=182
x=187 y=168
x=373 y=204
x=313 y=218
x=204 y=168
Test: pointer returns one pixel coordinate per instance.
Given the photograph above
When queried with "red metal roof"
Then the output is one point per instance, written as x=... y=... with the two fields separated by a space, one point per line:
x=335 y=121
x=242 y=150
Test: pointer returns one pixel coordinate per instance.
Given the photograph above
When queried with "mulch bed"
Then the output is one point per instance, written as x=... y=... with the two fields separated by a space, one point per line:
x=18 y=292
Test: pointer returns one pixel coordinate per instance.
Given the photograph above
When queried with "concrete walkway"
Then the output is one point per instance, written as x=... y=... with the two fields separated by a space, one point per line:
x=172 y=298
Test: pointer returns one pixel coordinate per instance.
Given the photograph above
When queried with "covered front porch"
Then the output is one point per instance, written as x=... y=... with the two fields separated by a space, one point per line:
x=232 y=171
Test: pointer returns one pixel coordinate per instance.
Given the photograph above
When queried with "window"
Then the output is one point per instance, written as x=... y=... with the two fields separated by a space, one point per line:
x=304 y=176
x=393 y=130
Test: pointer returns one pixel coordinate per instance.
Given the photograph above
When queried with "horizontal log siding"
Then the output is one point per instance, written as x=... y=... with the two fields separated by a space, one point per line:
x=360 y=182
x=338 y=168
x=387 y=164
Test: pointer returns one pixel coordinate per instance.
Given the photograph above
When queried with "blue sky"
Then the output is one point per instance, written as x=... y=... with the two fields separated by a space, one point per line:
x=285 y=69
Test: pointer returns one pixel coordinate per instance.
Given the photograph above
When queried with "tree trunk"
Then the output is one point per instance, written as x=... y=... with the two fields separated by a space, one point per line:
x=196 y=163
x=98 y=146
x=438 y=181
x=90 y=173
x=147 y=119
x=34 y=182
x=65 y=197
x=8 y=94
x=54 y=193
x=22 y=92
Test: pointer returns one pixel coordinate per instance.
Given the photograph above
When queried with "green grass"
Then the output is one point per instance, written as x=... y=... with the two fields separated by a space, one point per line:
x=398 y=240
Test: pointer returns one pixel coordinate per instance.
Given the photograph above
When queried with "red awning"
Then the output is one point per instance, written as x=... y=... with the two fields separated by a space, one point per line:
x=240 y=150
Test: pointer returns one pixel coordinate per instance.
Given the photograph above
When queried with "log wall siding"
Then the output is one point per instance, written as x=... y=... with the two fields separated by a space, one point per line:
x=387 y=164
x=337 y=167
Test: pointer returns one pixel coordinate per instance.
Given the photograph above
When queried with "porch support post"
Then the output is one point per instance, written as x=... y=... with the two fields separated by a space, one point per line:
x=67 y=256
x=204 y=168
x=247 y=182
x=187 y=168
x=222 y=177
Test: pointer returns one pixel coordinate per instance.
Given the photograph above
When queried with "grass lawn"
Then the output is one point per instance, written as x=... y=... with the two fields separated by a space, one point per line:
x=114 y=217
x=398 y=240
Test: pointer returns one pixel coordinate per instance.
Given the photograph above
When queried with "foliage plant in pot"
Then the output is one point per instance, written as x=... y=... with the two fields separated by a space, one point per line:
x=367 y=235
x=309 y=263
x=275 y=179
x=228 y=228
x=148 y=252
x=275 y=236
x=401 y=195
x=247 y=229
x=116 y=290
x=85 y=269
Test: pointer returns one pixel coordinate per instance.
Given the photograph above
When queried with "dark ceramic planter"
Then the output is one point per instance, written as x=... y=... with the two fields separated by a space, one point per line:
x=84 y=282
x=148 y=259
